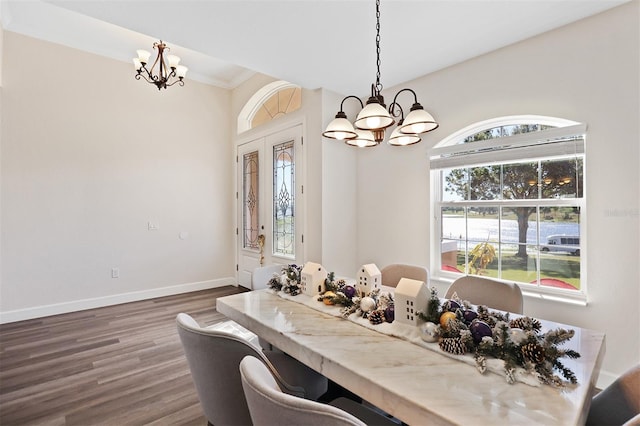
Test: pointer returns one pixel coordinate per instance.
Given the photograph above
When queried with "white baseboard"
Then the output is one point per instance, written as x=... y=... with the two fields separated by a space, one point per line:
x=116 y=299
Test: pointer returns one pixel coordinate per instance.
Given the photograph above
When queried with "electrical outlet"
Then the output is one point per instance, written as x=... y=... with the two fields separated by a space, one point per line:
x=115 y=272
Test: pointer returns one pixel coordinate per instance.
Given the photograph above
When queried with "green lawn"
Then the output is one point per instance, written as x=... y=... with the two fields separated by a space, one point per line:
x=560 y=266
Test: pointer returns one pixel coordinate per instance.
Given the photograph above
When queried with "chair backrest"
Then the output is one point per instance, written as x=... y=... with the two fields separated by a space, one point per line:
x=619 y=403
x=391 y=274
x=214 y=357
x=269 y=406
x=485 y=291
x=261 y=276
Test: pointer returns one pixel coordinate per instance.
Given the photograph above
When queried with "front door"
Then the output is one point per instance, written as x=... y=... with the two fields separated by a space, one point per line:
x=269 y=202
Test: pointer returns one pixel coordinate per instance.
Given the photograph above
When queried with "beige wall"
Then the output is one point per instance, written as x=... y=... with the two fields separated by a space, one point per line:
x=339 y=197
x=89 y=157
x=587 y=72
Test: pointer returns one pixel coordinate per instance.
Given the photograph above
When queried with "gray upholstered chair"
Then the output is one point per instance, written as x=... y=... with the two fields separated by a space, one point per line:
x=391 y=274
x=269 y=406
x=214 y=358
x=261 y=276
x=485 y=291
x=619 y=403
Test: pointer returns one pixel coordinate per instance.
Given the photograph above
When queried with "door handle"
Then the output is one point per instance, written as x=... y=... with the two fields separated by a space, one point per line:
x=261 y=239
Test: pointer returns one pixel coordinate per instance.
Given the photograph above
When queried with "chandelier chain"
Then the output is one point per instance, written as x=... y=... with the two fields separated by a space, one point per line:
x=378 y=85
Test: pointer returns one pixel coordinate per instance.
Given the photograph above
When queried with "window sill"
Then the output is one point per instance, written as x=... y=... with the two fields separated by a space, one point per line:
x=443 y=281
x=579 y=299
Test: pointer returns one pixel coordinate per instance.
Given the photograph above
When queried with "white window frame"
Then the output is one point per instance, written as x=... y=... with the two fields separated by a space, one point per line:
x=249 y=110
x=544 y=144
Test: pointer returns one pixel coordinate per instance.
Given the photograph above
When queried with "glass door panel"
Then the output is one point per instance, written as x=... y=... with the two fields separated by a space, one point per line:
x=250 y=200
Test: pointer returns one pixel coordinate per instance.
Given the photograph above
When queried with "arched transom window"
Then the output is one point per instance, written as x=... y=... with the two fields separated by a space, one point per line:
x=269 y=103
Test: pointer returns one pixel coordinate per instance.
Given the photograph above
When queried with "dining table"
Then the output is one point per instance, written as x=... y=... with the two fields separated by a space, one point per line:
x=416 y=385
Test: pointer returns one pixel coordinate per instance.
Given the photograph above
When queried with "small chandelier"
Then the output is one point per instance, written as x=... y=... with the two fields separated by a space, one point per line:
x=165 y=73
x=370 y=126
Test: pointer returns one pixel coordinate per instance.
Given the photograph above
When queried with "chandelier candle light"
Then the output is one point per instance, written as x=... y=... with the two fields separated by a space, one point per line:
x=371 y=123
x=165 y=73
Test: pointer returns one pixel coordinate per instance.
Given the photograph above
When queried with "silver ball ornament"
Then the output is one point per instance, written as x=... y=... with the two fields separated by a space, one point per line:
x=367 y=304
x=429 y=332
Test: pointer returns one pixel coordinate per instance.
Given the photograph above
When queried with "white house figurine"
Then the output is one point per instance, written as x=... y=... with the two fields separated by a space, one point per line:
x=312 y=279
x=411 y=297
x=368 y=278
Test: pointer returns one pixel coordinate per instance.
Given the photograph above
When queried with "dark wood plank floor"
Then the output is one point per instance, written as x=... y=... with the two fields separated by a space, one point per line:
x=118 y=365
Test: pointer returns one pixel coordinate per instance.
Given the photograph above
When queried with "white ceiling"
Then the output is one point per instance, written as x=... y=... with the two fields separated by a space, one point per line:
x=313 y=43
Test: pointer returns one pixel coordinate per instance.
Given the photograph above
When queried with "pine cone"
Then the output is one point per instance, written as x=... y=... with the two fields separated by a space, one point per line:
x=453 y=345
x=376 y=317
x=526 y=324
x=533 y=352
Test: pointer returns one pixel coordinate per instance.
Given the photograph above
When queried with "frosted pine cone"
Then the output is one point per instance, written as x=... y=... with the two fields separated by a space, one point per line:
x=533 y=352
x=453 y=345
x=376 y=317
x=526 y=324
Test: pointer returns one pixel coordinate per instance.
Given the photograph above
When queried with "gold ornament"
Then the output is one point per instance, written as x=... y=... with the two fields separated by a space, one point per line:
x=327 y=297
x=446 y=317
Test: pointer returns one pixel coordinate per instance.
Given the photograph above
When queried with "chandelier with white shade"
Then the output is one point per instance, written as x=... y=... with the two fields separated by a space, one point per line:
x=369 y=128
x=166 y=75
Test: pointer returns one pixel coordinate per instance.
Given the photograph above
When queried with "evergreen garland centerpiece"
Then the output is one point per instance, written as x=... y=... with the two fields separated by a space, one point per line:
x=288 y=281
x=518 y=342
x=456 y=326
x=376 y=306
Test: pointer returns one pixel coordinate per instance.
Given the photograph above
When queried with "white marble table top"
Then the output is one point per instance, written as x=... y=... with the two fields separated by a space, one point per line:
x=414 y=384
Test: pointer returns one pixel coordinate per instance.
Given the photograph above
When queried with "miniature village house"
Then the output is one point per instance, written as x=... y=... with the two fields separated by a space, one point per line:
x=312 y=279
x=411 y=297
x=368 y=278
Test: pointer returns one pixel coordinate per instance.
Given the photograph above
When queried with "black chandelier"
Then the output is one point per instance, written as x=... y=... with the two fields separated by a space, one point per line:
x=165 y=73
x=370 y=126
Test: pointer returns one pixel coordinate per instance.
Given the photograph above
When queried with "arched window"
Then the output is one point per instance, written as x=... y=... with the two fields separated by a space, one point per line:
x=508 y=203
x=270 y=102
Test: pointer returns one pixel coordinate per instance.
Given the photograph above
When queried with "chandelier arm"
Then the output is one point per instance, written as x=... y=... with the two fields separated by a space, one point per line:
x=348 y=97
x=166 y=72
x=155 y=78
x=141 y=75
x=163 y=70
x=149 y=76
x=180 y=82
x=392 y=110
x=415 y=97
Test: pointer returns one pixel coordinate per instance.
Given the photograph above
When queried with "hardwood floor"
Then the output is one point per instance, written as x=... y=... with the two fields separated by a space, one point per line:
x=118 y=365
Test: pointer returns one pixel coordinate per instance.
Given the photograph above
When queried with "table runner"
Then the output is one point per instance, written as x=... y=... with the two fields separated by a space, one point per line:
x=408 y=333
